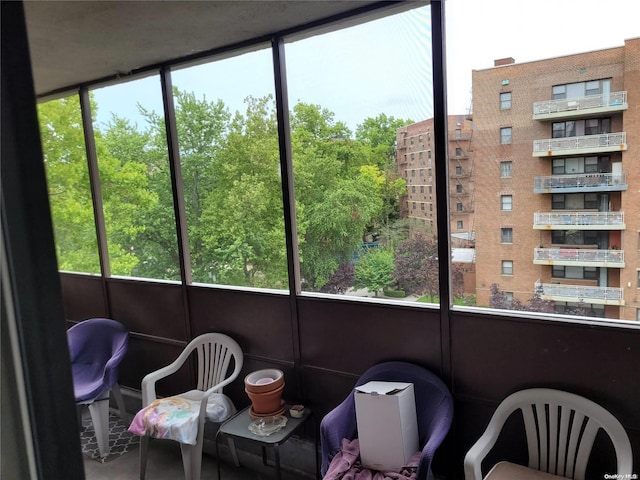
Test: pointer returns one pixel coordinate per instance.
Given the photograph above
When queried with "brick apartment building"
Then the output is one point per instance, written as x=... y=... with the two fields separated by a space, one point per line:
x=556 y=149
x=415 y=164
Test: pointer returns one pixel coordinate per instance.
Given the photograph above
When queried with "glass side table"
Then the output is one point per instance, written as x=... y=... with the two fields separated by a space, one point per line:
x=238 y=427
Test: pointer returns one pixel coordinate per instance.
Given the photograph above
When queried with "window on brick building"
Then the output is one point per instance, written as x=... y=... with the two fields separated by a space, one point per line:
x=458 y=188
x=459 y=207
x=506 y=202
x=505 y=169
x=505 y=101
x=505 y=135
x=638 y=284
x=460 y=225
x=506 y=235
x=422 y=206
x=458 y=170
x=575 y=272
x=458 y=151
x=507 y=267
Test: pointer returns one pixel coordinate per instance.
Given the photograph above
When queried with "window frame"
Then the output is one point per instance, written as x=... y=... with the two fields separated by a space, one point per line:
x=506 y=268
x=505 y=101
x=504 y=203
x=506 y=135
x=506 y=235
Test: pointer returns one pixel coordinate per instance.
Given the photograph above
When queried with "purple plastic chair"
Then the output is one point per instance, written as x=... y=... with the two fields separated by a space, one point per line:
x=434 y=410
x=97 y=346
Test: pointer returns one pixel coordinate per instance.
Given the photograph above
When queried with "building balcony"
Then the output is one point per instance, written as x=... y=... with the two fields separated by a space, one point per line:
x=592 y=105
x=579 y=257
x=581 y=220
x=578 y=293
x=590 y=182
x=583 y=145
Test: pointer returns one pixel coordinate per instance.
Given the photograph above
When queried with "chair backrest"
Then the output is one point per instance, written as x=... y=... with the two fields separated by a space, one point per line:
x=101 y=343
x=215 y=352
x=561 y=428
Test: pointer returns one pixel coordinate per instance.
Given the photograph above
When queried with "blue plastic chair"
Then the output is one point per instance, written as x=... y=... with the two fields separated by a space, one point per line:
x=434 y=411
x=97 y=346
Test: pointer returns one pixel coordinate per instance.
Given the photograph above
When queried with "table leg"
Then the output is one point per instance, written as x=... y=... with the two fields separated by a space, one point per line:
x=276 y=453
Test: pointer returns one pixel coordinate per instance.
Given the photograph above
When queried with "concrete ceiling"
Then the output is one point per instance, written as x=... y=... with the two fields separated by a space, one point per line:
x=76 y=42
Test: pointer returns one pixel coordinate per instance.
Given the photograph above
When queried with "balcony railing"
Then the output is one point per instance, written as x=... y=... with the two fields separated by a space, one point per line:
x=565 y=220
x=579 y=256
x=589 y=182
x=579 y=293
x=604 y=142
x=573 y=107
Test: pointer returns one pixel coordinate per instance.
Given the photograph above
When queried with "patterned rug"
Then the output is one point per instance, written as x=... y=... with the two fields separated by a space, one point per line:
x=121 y=441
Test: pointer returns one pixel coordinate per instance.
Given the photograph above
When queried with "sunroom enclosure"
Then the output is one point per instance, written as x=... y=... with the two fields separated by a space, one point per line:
x=322 y=342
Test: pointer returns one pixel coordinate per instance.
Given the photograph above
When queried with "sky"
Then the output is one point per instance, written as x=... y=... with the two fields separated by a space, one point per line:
x=385 y=66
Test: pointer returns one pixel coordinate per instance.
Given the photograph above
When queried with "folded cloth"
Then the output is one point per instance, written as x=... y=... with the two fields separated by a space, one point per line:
x=176 y=418
x=346 y=465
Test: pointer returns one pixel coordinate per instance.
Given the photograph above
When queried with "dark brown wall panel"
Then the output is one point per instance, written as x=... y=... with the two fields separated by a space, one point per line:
x=352 y=336
x=145 y=356
x=495 y=356
x=155 y=309
x=259 y=322
x=82 y=297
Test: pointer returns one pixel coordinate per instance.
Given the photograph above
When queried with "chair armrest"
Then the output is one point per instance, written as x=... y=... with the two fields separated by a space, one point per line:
x=339 y=423
x=476 y=454
x=149 y=381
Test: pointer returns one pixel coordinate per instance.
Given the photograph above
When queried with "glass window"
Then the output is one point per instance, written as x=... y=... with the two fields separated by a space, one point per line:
x=593 y=87
x=458 y=151
x=458 y=188
x=505 y=101
x=506 y=202
x=67 y=174
x=227 y=132
x=505 y=169
x=557 y=201
x=136 y=180
x=559 y=92
x=459 y=207
x=458 y=170
x=506 y=235
x=591 y=165
x=591 y=201
x=638 y=284
x=558 y=166
x=507 y=267
x=505 y=135
x=460 y=225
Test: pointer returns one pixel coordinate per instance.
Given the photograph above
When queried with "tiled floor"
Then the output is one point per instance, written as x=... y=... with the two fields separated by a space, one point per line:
x=165 y=462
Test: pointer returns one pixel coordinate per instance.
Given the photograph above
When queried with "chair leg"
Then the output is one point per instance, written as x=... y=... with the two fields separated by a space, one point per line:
x=144 y=449
x=192 y=460
x=99 y=411
x=122 y=409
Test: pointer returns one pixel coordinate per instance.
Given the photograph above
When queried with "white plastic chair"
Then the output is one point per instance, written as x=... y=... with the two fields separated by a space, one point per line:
x=553 y=422
x=215 y=352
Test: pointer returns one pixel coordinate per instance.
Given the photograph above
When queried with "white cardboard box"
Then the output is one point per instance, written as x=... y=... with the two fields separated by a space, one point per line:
x=387 y=424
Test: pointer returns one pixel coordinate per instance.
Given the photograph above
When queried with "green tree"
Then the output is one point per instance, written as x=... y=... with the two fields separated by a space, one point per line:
x=242 y=220
x=374 y=270
x=124 y=192
x=68 y=183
